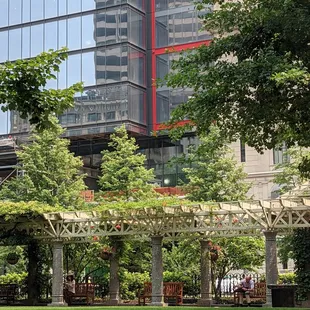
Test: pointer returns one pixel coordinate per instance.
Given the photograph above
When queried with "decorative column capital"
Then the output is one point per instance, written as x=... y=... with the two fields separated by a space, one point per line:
x=270 y=235
x=58 y=244
x=157 y=239
x=205 y=243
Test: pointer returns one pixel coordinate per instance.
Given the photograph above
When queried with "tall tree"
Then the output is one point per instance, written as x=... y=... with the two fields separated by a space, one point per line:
x=23 y=88
x=253 y=79
x=123 y=168
x=51 y=174
x=214 y=174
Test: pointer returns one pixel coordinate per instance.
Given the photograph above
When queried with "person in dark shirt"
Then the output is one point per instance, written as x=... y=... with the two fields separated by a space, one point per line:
x=69 y=289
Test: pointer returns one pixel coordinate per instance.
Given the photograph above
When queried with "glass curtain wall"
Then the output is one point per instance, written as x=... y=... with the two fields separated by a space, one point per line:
x=106 y=42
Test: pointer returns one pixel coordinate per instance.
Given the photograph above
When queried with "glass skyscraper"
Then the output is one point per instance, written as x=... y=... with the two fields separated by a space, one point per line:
x=117 y=48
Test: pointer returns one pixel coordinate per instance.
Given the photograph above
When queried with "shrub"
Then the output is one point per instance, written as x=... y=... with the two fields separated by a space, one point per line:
x=131 y=283
x=287 y=278
x=13 y=278
x=191 y=283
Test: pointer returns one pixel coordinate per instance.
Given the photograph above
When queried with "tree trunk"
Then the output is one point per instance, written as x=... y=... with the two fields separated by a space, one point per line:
x=33 y=287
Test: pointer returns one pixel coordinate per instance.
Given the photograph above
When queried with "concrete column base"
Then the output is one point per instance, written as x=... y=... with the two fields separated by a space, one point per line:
x=112 y=302
x=267 y=305
x=204 y=302
x=158 y=304
x=57 y=304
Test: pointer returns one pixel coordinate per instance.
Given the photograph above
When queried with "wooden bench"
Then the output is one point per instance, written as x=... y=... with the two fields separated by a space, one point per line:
x=86 y=290
x=8 y=292
x=259 y=292
x=171 y=290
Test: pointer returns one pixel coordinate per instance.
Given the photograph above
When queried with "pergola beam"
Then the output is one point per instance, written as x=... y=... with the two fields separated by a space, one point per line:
x=225 y=219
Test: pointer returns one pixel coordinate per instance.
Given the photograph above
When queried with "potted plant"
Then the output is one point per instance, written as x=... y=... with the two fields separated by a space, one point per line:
x=107 y=252
x=214 y=253
x=12 y=258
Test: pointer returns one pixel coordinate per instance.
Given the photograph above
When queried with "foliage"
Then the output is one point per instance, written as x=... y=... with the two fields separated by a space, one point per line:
x=251 y=79
x=131 y=283
x=10 y=210
x=214 y=174
x=297 y=244
x=301 y=255
x=236 y=253
x=83 y=256
x=13 y=278
x=190 y=288
x=51 y=173
x=152 y=203
x=51 y=177
x=287 y=278
x=285 y=248
x=18 y=268
x=290 y=175
x=23 y=88
x=137 y=256
x=123 y=169
x=182 y=264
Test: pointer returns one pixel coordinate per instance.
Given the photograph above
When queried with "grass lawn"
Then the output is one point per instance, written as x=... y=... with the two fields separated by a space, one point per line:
x=134 y=308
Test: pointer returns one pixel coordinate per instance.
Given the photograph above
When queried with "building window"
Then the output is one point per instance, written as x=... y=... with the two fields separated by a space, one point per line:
x=93 y=117
x=72 y=118
x=279 y=155
x=242 y=151
x=110 y=115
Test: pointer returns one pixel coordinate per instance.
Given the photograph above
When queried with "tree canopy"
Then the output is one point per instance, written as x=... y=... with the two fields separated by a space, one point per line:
x=51 y=173
x=288 y=174
x=123 y=168
x=23 y=88
x=214 y=174
x=253 y=79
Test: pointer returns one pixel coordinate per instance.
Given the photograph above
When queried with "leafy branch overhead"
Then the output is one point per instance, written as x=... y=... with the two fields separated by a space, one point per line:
x=253 y=79
x=23 y=88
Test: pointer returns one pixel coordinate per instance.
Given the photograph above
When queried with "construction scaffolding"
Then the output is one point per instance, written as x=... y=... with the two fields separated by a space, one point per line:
x=8 y=158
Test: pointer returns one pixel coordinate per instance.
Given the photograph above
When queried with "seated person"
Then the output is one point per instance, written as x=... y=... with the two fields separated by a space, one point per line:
x=69 y=289
x=244 y=289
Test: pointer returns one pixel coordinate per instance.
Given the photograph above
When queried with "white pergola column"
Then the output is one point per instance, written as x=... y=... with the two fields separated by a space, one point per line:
x=157 y=271
x=271 y=262
x=205 y=284
x=57 y=280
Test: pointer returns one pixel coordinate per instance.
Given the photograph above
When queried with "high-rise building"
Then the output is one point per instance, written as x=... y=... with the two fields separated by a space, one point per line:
x=118 y=48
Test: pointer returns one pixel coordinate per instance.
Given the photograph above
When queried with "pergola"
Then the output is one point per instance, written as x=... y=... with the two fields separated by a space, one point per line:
x=204 y=221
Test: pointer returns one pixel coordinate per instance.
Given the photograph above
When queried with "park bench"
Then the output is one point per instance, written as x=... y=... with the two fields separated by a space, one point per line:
x=85 y=290
x=171 y=290
x=8 y=292
x=258 y=293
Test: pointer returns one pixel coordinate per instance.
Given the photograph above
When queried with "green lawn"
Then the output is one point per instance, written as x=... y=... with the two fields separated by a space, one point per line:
x=135 y=308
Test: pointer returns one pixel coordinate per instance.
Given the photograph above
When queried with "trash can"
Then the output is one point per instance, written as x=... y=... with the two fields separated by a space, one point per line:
x=283 y=295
